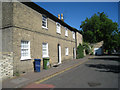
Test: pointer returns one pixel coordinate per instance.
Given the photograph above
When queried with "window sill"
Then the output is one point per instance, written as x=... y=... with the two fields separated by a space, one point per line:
x=45 y=57
x=58 y=33
x=26 y=58
x=44 y=27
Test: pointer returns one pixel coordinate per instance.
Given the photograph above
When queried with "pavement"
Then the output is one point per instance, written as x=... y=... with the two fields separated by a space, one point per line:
x=33 y=79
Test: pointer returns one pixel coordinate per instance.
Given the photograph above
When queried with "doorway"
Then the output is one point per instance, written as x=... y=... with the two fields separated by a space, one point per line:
x=59 y=54
x=74 y=53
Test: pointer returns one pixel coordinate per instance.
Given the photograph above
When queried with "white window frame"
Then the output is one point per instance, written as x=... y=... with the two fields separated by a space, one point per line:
x=25 y=50
x=66 y=51
x=44 y=20
x=47 y=53
x=73 y=34
x=58 y=28
x=66 y=32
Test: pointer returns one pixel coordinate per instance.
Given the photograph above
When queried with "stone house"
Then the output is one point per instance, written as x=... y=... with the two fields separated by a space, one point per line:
x=30 y=32
x=97 y=48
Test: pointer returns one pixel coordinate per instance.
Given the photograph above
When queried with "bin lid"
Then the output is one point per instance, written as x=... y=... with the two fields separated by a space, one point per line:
x=45 y=58
x=38 y=59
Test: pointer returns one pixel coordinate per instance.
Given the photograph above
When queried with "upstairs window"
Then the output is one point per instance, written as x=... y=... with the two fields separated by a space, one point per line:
x=66 y=51
x=25 y=50
x=45 y=49
x=73 y=34
x=66 y=32
x=44 y=21
x=58 y=28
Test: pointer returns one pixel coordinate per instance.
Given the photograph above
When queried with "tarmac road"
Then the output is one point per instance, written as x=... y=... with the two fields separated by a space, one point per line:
x=100 y=72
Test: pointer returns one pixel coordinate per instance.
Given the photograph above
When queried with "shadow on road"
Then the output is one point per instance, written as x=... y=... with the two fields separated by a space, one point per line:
x=105 y=68
x=109 y=58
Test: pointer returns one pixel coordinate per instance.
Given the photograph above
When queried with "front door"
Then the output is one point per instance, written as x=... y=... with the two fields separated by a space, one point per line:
x=74 y=53
x=59 y=54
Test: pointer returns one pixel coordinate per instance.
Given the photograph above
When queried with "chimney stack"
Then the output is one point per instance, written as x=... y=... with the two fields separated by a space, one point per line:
x=62 y=17
x=58 y=16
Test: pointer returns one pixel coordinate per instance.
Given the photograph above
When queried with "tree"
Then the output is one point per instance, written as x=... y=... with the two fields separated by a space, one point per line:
x=86 y=47
x=99 y=27
x=80 y=51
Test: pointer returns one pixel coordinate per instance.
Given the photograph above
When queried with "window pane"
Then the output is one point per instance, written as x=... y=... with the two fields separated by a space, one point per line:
x=45 y=49
x=66 y=51
x=44 y=21
x=25 y=49
x=66 y=32
x=58 y=28
x=73 y=35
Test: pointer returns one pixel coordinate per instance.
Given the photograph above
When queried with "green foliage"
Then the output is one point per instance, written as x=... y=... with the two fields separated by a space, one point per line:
x=100 y=28
x=112 y=42
x=80 y=52
x=86 y=47
x=91 y=53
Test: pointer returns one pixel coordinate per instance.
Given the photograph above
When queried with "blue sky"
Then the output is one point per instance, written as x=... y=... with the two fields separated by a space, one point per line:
x=76 y=12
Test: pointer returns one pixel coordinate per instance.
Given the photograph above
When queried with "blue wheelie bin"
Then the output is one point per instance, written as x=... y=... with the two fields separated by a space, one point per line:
x=37 y=65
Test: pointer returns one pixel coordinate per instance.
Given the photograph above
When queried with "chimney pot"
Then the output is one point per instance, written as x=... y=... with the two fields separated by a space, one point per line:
x=58 y=16
x=62 y=17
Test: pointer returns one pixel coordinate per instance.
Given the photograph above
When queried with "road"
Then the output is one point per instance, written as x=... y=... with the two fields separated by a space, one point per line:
x=100 y=72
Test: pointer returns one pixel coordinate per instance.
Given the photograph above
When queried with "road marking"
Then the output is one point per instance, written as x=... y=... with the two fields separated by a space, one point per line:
x=57 y=73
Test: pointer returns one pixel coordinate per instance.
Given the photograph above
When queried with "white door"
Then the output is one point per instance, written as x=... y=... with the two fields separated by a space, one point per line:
x=74 y=53
x=59 y=54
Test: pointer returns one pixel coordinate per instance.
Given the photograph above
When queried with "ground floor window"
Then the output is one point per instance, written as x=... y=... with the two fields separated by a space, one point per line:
x=66 y=51
x=25 y=50
x=45 y=49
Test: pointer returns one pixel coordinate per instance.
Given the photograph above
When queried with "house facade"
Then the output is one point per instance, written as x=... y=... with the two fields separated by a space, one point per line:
x=29 y=32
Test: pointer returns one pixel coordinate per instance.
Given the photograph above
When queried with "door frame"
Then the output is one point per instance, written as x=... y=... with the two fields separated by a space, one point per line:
x=74 y=53
x=59 y=54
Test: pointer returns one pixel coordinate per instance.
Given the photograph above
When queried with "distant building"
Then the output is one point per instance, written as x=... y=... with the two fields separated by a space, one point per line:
x=97 y=48
x=30 y=32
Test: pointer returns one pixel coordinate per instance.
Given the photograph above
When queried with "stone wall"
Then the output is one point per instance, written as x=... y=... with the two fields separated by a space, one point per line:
x=6 y=53
x=7 y=16
x=97 y=45
x=27 y=25
x=79 y=38
x=6 y=65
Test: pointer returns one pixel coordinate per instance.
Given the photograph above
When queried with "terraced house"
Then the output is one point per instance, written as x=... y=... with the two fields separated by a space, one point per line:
x=30 y=32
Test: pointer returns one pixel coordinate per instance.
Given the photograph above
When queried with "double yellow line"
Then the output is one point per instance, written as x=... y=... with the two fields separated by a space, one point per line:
x=57 y=73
